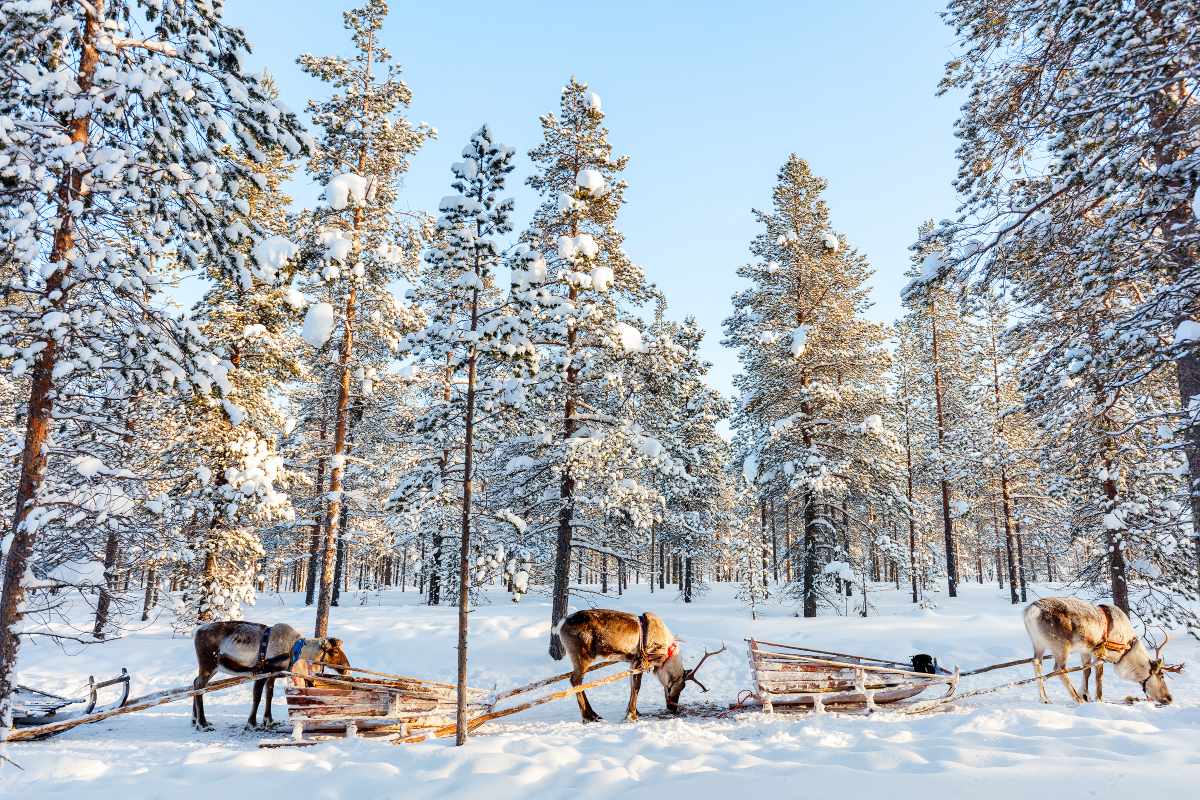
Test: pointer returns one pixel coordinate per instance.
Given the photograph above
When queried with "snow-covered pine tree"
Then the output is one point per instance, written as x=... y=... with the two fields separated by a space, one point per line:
x=479 y=337
x=932 y=303
x=812 y=367
x=673 y=405
x=153 y=113
x=583 y=447
x=250 y=325
x=1086 y=110
x=364 y=148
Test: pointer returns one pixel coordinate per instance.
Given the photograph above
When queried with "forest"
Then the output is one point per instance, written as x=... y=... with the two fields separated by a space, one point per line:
x=480 y=403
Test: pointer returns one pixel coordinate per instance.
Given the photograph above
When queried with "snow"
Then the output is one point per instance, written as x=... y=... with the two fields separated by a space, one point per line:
x=592 y=182
x=602 y=278
x=593 y=101
x=583 y=246
x=318 y=324
x=1187 y=332
x=1196 y=203
x=88 y=466
x=994 y=747
x=629 y=337
x=799 y=341
x=346 y=189
x=275 y=252
x=831 y=242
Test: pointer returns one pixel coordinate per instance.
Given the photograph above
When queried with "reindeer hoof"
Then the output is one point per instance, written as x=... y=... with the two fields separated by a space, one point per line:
x=592 y=718
x=631 y=717
x=203 y=728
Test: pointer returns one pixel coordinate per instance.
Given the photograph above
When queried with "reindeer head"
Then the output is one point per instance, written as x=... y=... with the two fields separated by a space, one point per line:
x=1154 y=684
x=674 y=677
x=331 y=653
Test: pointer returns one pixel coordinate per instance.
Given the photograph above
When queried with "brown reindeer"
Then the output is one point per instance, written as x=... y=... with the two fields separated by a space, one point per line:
x=644 y=642
x=1063 y=625
x=239 y=648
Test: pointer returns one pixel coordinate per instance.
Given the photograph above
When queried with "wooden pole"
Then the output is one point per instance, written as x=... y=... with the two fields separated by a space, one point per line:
x=138 y=704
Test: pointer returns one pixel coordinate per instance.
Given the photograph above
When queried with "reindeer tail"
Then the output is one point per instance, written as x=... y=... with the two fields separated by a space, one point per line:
x=557 y=629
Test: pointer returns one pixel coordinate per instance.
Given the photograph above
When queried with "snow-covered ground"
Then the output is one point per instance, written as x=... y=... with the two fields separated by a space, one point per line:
x=990 y=747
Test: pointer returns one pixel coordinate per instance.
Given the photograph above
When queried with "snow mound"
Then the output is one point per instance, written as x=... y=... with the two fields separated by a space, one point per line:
x=592 y=182
x=346 y=189
x=799 y=338
x=318 y=324
x=1187 y=332
x=582 y=246
x=629 y=337
x=602 y=278
x=275 y=252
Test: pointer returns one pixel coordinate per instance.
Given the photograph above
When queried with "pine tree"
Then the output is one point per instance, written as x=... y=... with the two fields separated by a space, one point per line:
x=97 y=222
x=472 y=328
x=1078 y=137
x=364 y=148
x=587 y=329
x=812 y=393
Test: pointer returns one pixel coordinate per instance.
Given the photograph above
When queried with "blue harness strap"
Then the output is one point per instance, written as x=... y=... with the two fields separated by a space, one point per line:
x=296 y=648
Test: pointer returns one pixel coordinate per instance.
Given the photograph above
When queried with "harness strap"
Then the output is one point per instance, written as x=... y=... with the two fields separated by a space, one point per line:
x=643 y=655
x=1108 y=645
x=261 y=664
x=295 y=654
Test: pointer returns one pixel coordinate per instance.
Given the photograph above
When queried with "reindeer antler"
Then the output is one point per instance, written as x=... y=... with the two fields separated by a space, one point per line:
x=690 y=675
x=1158 y=648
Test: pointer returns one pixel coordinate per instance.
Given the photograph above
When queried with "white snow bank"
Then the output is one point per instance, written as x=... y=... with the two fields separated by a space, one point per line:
x=318 y=324
x=993 y=747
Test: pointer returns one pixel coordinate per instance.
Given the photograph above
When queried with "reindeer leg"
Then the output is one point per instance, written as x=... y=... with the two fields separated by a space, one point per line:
x=1086 y=659
x=258 y=690
x=1099 y=680
x=1060 y=663
x=1037 y=670
x=635 y=685
x=199 y=721
x=586 y=711
x=268 y=719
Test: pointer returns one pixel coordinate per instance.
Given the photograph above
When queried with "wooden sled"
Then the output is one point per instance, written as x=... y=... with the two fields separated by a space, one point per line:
x=409 y=710
x=794 y=677
x=37 y=707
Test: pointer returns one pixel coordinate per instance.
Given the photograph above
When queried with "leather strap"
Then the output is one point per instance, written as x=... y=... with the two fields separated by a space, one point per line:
x=1108 y=645
x=261 y=664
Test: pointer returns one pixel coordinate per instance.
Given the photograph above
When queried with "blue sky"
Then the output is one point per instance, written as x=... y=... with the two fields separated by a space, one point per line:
x=706 y=99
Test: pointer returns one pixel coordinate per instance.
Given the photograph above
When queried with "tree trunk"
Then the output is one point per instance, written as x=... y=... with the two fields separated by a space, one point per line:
x=339 y=565
x=40 y=408
x=110 y=581
x=810 y=556
x=148 y=600
x=560 y=594
x=464 y=588
x=1020 y=558
x=764 y=548
x=947 y=522
x=314 y=542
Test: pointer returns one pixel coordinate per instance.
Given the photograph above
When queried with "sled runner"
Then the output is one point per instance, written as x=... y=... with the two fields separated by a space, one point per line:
x=792 y=676
x=38 y=707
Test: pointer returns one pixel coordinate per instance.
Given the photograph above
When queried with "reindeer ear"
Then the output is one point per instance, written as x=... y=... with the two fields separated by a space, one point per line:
x=335 y=643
